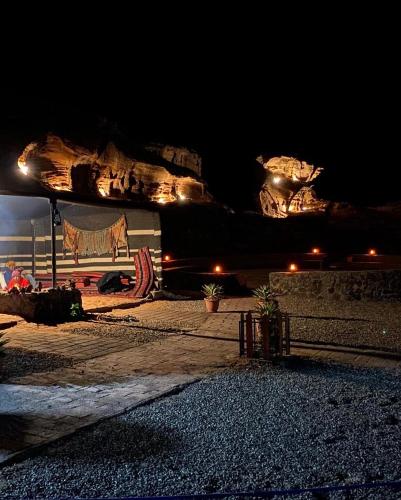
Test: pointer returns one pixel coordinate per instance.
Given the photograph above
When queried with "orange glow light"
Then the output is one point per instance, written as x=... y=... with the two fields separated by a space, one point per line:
x=293 y=268
x=372 y=252
x=316 y=250
x=217 y=269
x=167 y=258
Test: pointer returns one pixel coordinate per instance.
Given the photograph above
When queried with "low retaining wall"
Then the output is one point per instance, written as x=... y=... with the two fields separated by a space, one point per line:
x=339 y=285
x=49 y=307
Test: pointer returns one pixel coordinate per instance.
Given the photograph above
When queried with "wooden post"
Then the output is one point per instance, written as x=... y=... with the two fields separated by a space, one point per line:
x=264 y=328
x=287 y=334
x=53 y=208
x=249 y=335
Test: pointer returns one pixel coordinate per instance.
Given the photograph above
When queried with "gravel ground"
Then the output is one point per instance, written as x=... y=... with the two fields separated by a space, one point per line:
x=134 y=334
x=177 y=309
x=246 y=429
x=356 y=324
x=20 y=362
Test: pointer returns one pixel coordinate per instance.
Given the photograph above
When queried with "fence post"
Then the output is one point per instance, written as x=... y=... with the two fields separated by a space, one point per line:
x=241 y=336
x=287 y=334
x=264 y=328
x=249 y=335
x=280 y=333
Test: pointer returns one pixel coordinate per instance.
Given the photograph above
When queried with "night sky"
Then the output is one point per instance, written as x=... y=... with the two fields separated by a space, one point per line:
x=331 y=101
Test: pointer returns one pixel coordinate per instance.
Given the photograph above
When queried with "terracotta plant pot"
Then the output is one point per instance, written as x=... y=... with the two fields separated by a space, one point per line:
x=212 y=305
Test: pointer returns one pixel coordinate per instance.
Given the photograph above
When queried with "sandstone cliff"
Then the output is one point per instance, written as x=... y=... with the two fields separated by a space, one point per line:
x=61 y=165
x=288 y=188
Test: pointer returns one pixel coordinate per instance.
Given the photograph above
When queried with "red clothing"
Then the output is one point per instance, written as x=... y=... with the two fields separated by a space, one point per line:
x=18 y=283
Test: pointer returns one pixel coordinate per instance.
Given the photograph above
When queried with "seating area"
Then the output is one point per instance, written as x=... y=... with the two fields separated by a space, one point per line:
x=86 y=281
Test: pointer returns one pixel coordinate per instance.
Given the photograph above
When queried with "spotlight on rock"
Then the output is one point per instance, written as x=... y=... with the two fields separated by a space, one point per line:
x=23 y=168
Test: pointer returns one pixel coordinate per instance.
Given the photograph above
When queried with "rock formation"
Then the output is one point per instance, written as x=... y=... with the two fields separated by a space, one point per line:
x=162 y=174
x=182 y=157
x=288 y=188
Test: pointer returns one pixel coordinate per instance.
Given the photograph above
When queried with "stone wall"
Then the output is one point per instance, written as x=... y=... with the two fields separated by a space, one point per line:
x=339 y=285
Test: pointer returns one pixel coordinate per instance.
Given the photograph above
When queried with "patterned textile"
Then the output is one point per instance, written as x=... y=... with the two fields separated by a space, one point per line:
x=100 y=242
x=144 y=273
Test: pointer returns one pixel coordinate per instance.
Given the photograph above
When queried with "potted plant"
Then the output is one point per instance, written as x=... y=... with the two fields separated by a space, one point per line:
x=270 y=312
x=263 y=294
x=213 y=293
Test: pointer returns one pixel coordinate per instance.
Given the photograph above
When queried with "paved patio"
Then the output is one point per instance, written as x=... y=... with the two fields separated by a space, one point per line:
x=111 y=375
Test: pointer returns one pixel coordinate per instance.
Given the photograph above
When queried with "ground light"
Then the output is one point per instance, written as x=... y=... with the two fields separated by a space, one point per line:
x=167 y=258
x=276 y=179
x=316 y=250
x=372 y=252
x=217 y=269
x=293 y=268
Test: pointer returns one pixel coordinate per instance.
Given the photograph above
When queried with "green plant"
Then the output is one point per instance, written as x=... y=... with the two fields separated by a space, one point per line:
x=76 y=311
x=269 y=309
x=263 y=293
x=212 y=291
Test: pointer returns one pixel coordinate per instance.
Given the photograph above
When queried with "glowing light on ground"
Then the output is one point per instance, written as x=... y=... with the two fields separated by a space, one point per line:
x=217 y=269
x=167 y=258
x=102 y=192
x=276 y=179
x=182 y=197
x=372 y=252
x=162 y=201
x=293 y=268
x=315 y=250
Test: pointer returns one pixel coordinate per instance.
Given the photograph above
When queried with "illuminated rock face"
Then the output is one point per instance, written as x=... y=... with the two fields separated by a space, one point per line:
x=288 y=188
x=181 y=157
x=63 y=166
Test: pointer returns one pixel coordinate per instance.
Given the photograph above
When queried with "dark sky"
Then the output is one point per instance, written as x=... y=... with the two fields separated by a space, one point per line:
x=327 y=96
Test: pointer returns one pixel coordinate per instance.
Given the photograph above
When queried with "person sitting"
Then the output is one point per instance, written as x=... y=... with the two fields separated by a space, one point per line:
x=5 y=274
x=27 y=276
x=18 y=282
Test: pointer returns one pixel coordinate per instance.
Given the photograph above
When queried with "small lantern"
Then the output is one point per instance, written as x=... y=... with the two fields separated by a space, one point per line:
x=293 y=268
x=217 y=269
x=372 y=252
x=316 y=250
x=167 y=258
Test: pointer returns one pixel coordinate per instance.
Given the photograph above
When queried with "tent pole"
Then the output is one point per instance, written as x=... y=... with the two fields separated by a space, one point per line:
x=53 y=212
x=33 y=248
